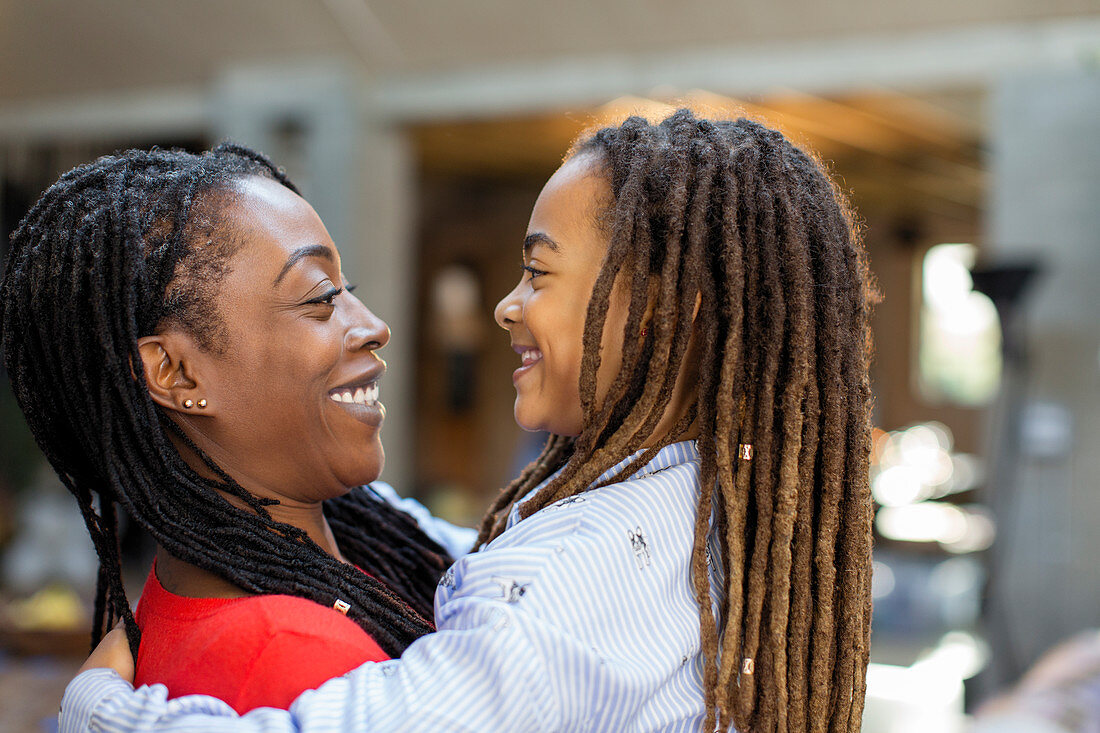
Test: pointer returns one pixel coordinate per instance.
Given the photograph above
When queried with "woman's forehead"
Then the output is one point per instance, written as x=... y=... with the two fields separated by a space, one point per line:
x=273 y=222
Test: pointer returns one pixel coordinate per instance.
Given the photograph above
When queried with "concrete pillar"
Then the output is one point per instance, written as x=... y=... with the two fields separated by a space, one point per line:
x=385 y=269
x=1045 y=204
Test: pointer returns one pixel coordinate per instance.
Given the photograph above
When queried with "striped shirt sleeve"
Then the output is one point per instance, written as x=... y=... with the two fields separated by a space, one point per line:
x=581 y=617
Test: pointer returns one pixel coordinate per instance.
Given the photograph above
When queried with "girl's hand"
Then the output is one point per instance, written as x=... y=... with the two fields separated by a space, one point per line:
x=113 y=652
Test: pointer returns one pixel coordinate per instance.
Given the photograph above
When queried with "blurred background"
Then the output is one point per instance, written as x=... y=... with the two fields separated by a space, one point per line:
x=966 y=134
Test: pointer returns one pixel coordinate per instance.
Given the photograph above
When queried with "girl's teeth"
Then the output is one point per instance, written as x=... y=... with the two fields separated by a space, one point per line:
x=335 y=397
x=360 y=396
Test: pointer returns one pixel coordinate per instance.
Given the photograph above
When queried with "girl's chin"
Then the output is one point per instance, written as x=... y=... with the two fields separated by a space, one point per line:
x=540 y=424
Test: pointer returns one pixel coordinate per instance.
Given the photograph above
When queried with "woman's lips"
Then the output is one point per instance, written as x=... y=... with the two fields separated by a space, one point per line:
x=361 y=403
x=363 y=395
x=530 y=358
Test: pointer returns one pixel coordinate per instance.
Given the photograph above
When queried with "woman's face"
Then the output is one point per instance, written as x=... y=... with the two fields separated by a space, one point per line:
x=292 y=393
x=545 y=313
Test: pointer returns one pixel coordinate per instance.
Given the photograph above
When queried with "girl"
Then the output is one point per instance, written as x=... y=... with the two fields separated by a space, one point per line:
x=692 y=548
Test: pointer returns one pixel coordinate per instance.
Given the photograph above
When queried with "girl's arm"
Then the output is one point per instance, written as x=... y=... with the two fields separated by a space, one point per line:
x=505 y=658
x=564 y=623
x=456 y=540
x=488 y=676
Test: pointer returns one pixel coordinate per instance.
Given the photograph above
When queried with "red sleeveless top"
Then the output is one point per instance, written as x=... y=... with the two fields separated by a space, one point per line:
x=259 y=651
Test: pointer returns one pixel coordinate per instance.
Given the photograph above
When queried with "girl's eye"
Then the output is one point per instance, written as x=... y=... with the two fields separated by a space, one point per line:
x=533 y=271
x=350 y=288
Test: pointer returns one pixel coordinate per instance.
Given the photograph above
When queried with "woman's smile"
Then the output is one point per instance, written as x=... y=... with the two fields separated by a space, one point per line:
x=361 y=403
x=359 y=396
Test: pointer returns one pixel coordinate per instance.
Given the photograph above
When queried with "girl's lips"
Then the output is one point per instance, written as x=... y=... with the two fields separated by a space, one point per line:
x=530 y=357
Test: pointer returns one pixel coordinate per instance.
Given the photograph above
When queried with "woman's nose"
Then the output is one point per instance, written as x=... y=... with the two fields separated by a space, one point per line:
x=509 y=310
x=367 y=331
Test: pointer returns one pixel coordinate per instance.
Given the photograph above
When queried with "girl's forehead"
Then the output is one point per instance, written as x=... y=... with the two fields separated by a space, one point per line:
x=570 y=201
x=578 y=171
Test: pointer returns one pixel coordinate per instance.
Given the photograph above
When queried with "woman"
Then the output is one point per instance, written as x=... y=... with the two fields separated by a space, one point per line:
x=153 y=305
x=693 y=547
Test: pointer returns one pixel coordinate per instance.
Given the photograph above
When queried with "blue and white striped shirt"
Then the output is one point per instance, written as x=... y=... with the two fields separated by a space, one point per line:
x=581 y=617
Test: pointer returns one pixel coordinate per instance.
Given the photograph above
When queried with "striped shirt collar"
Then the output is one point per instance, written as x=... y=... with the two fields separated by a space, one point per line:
x=673 y=454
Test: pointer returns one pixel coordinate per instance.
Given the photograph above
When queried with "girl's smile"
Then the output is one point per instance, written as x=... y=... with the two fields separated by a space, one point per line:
x=530 y=356
x=545 y=313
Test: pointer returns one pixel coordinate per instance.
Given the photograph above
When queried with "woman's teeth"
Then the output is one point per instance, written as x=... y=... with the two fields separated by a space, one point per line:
x=530 y=356
x=360 y=395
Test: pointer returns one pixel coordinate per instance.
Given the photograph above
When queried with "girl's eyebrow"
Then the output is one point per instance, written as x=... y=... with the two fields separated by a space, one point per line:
x=539 y=238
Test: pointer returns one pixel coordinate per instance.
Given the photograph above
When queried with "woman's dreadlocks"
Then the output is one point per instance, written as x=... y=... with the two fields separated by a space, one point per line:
x=111 y=252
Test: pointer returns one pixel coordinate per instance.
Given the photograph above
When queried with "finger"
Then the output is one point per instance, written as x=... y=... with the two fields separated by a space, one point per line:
x=113 y=652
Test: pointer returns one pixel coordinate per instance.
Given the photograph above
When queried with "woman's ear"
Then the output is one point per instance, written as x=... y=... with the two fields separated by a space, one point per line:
x=169 y=373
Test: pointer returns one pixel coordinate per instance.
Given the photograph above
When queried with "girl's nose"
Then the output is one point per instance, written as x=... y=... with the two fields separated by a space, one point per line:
x=509 y=310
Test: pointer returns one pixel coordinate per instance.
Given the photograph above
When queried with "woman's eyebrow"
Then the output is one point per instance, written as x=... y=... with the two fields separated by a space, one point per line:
x=311 y=250
x=539 y=238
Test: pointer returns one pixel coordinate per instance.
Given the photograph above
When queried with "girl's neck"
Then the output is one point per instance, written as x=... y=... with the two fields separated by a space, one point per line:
x=683 y=397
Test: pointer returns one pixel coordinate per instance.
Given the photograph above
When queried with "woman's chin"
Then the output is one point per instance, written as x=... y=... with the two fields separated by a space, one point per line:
x=367 y=470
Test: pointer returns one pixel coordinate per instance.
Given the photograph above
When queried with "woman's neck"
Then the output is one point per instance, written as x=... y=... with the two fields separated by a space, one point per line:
x=308 y=517
x=185 y=579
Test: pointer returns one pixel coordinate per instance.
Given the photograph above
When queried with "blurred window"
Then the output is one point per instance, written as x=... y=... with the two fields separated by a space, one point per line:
x=960 y=334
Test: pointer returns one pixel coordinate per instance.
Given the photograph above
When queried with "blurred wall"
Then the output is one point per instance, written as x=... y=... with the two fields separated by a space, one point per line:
x=1045 y=207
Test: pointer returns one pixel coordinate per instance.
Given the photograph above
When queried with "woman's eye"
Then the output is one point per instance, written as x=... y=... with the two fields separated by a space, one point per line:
x=534 y=271
x=327 y=298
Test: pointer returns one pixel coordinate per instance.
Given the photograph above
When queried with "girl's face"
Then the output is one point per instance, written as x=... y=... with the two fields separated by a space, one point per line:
x=545 y=313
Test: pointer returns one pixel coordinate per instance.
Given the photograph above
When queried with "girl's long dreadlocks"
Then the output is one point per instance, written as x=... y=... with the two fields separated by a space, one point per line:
x=732 y=213
x=112 y=251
